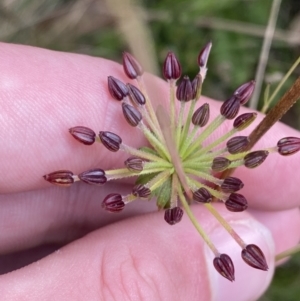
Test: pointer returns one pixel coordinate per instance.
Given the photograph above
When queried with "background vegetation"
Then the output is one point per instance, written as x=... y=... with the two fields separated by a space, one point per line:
x=236 y=28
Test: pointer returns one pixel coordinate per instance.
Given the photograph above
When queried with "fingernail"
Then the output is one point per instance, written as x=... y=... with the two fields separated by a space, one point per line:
x=249 y=283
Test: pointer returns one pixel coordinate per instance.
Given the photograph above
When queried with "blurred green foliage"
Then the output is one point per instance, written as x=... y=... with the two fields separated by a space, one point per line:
x=236 y=28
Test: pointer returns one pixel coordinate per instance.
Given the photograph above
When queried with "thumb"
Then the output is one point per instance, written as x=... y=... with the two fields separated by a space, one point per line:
x=143 y=258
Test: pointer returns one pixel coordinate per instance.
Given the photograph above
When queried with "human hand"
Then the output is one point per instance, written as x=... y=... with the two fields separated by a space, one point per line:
x=133 y=255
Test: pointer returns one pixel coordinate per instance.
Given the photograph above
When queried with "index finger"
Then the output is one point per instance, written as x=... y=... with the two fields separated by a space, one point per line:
x=43 y=94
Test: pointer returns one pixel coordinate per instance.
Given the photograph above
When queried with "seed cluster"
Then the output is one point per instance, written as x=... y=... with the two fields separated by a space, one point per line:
x=178 y=166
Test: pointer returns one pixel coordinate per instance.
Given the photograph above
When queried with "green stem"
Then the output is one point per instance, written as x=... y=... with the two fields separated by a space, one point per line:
x=265 y=108
x=226 y=226
x=195 y=222
x=172 y=103
x=161 y=178
x=150 y=123
x=287 y=253
x=208 y=130
x=215 y=193
x=179 y=125
x=157 y=145
x=149 y=105
x=204 y=176
x=217 y=142
x=187 y=123
x=135 y=152
x=189 y=139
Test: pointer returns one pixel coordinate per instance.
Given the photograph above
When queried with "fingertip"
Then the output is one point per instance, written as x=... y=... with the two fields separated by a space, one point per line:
x=249 y=283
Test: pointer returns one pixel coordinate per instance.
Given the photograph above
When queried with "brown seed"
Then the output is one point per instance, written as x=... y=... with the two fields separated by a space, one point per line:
x=224 y=265
x=113 y=203
x=110 y=140
x=94 y=176
x=231 y=184
x=173 y=215
x=202 y=195
x=220 y=164
x=131 y=66
x=172 y=67
x=184 y=90
x=201 y=115
x=141 y=191
x=117 y=89
x=83 y=134
x=254 y=257
x=256 y=158
x=62 y=178
x=237 y=144
x=196 y=86
x=288 y=146
x=135 y=95
x=131 y=114
x=245 y=91
x=244 y=120
x=236 y=203
x=204 y=54
x=230 y=107
x=134 y=164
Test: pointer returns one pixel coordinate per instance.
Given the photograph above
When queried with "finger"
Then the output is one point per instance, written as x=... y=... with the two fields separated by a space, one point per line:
x=284 y=226
x=120 y=262
x=143 y=258
x=55 y=215
x=44 y=93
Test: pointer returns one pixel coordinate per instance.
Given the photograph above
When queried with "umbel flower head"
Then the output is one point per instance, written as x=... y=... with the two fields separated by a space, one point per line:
x=178 y=166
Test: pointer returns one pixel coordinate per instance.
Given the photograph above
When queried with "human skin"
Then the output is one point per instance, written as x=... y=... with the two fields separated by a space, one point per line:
x=133 y=255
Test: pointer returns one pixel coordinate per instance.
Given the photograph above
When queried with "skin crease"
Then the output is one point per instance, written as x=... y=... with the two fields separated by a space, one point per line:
x=133 y=255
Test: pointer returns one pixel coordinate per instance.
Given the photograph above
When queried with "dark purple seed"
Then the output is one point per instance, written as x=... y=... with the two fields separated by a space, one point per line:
x=288 y=146
x=256 y=158
x=237 y=144
x=113 y=203
x=110 y=140
x=202 y=195
x=94 y=176
x=83 y=134
x=220 y=164
x=244 y=120
x=245 y=91
x=135 y=95
x=201 y=115
x=134 y=164
x=231 y=184
x=141 y=191
x=236 y=203
x=204 y=54
x=254 y=257
x=196 y=86
x=131 y=66
x=172 y=67
x=230 y=107
x=184 y=90
x=131 y=114
x=117 y=89
x=224 y=265
x=62 y=178
x=173 y=215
